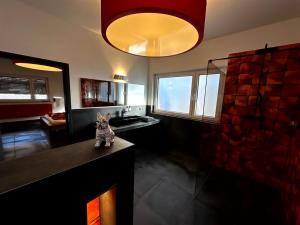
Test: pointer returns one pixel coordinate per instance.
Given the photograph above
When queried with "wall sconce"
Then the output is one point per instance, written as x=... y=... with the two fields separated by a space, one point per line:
x=120 y=78
x=55 y=98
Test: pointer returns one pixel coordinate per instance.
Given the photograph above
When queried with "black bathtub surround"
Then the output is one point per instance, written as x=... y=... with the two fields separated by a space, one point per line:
x=142 y=123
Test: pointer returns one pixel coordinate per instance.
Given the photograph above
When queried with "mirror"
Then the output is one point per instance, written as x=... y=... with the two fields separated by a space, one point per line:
x=34 y=105
x=99 y=93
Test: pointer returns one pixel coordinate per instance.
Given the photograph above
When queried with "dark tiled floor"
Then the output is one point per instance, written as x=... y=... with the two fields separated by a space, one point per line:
x=22 y=143
x=164 y=195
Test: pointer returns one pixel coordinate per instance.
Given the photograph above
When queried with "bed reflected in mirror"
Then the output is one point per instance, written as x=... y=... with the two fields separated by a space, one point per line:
x=32 y=105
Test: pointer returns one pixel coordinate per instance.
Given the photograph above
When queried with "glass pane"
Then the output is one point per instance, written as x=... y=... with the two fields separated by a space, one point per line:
x=15 y=96
x=174 y=94
x=40 y=89
x=41 y=97
x=136 y=94
x=211 y=96
x=121 y=94
x=87 y=91
x=12 y=88
x=112 y=92
x=103 y=91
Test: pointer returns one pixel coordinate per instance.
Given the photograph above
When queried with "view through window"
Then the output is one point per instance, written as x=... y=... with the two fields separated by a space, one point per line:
x=193 y=95
x=23 y=89
x=174 y=94
x=40 y=89
x=136 y=94
x=208 y=90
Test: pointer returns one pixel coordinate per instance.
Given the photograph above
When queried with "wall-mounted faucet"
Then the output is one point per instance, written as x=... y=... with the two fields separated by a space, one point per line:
x=125 y=110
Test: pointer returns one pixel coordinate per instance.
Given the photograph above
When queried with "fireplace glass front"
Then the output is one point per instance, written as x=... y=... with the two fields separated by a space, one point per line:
x=102 y=209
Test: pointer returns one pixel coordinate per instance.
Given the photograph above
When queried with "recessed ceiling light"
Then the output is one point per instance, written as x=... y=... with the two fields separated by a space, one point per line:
x=34 y=66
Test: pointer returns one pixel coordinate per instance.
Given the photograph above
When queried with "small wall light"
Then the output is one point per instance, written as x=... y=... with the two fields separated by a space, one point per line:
x=55 y=98
x=120 y=78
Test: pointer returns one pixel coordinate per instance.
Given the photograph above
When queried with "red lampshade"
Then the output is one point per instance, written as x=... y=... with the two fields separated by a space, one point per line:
x=153 y=27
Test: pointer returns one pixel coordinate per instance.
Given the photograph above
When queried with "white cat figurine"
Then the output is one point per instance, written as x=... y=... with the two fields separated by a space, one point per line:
x=103 y=132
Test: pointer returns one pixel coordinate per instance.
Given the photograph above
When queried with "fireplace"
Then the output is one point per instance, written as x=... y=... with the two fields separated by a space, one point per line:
x=102 y=209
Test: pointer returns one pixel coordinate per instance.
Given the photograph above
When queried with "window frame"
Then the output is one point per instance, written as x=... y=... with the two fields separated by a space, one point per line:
x=191 y=115
x=31 y=85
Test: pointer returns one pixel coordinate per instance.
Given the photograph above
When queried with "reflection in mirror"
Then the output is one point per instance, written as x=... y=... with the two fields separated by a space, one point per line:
x=98 y=93
x=121 y=93
x=32 y=108
x=136 y=94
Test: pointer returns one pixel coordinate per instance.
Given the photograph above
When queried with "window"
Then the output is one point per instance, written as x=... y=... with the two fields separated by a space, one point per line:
x=121 y=93
x=14 y=88
x=174 y=94
x=40 y=89
x=136 y=94
x=208 y=90
x=103 y=91
x=190 y=95
x=23 y=89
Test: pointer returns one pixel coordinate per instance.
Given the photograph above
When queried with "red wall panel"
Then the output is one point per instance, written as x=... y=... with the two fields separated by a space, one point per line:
x=24 y=110
x=262 y=141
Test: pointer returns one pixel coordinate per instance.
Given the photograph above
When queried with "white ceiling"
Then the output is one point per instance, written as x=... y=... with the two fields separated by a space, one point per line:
x=222 y=16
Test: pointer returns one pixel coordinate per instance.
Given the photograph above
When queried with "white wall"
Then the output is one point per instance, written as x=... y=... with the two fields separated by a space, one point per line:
x=286 y=32
x=29 y=31
x=26 y=30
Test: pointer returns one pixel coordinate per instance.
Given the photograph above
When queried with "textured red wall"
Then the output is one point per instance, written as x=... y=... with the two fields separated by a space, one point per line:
x=260 y=140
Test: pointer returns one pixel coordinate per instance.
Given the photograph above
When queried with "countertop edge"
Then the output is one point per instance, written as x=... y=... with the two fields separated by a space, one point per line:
x=10 y=182
x=134 y=126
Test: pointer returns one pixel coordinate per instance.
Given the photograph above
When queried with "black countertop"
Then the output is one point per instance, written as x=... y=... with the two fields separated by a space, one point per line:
x=23 y=171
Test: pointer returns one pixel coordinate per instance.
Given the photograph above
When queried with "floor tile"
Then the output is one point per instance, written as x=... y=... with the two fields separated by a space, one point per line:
x=145 y=179
x=143 y=215
x=168 y=200
x=164 y=194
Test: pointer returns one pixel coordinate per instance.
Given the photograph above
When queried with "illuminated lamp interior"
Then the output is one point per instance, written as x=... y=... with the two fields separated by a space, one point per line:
x=34 y=66
x=152 y=34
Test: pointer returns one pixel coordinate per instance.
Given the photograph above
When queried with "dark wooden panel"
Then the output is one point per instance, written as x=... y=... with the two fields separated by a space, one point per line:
x=61 y=197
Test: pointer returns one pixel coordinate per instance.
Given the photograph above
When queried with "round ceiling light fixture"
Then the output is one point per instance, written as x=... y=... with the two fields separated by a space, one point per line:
x=153 y=28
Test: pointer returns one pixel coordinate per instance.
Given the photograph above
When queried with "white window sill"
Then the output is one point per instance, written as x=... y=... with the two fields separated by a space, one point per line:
x=203 y=119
